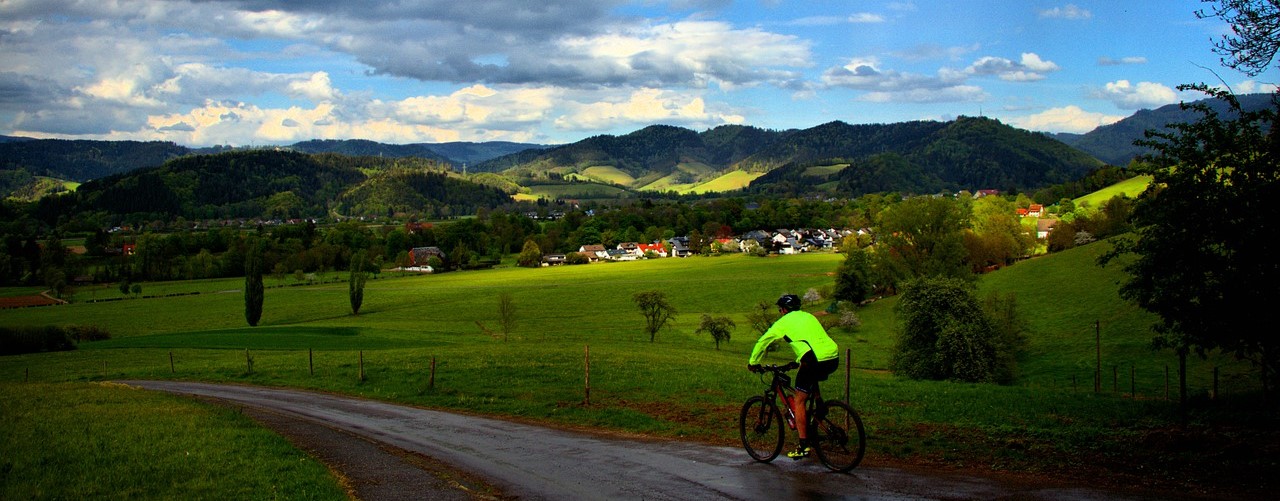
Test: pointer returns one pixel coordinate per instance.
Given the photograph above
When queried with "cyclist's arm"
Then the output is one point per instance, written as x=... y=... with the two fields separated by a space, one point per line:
x=762 y=344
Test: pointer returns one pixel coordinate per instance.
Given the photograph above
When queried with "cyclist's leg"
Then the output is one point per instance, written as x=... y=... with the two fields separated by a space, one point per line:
x=806 y=384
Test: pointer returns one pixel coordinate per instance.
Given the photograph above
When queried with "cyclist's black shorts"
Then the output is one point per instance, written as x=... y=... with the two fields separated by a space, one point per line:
x=811 y=371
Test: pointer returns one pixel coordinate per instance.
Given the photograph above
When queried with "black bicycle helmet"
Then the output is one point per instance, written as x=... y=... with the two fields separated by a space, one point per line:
x=789 y=301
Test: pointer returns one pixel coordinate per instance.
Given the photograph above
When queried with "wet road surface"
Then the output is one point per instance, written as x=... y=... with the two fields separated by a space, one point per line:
x=532 y=462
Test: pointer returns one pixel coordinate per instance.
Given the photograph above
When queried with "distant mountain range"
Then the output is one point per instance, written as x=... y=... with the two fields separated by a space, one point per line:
x=83 y=160
x=834 y=158
x=1113 y=143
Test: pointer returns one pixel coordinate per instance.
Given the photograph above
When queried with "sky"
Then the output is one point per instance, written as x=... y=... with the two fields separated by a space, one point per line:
x=264 y=72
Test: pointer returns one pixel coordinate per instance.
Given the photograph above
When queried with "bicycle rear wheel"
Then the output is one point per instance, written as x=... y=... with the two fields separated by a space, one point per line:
x=838 y=436
x=762 y=430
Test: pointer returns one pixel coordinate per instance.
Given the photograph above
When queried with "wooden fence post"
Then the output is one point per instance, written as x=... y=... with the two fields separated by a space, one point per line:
x=361 y=366
x=431 y=380
x=171 y=371
x=248 y=361
x=848 y=370
x=311 y=362
x=587 y=380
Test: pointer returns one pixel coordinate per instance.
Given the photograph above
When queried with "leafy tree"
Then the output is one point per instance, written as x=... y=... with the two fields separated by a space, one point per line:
x=923 y=237
x=762 y=317
x=1205 y=241
x=530 y=255
x=997 y=237
x=718 y=327
x=853 y=277
x=355 y=282
x=947 y=335
x=1255 y=33
x=253 y=289
x=656 y=309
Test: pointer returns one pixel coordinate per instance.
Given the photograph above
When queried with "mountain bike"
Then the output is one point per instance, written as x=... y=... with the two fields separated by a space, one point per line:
x=835 y=429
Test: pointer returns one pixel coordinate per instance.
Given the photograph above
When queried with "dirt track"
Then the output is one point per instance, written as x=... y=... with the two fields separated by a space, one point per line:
x=388 y=451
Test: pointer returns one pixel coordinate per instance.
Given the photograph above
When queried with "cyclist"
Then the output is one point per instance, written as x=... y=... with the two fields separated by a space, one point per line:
x=816 y=352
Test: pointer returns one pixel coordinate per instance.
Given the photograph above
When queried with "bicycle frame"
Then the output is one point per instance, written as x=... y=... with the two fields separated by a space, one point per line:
x=780 y=390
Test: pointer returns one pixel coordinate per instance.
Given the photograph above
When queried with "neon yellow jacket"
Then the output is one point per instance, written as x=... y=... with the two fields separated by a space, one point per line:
x=803 y=331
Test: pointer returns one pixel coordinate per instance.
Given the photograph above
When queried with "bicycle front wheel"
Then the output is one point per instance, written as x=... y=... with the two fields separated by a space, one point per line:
x=838 y=436
x=762 y=430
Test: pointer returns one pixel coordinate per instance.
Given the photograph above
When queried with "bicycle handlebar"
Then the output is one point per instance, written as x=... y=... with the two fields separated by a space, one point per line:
x=779 y=368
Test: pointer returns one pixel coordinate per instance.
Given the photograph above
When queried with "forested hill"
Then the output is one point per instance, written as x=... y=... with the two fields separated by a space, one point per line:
x=82 y=160
x=919 y=157
x=457 y=153
x=1114 y=143
x=282 y=184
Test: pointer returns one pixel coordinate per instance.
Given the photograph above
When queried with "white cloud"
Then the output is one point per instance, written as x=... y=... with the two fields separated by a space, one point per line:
x=1029 y=69
x=1069 y=11
x=865 y=18
x=644 y=106
x=1126 y=95
x=1255 y=87
x=1065 y=119
x=1106 y=61
x=883 y=85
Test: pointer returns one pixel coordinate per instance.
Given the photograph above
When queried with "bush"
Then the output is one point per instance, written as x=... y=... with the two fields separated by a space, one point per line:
x=20 y=340
x=947 y=334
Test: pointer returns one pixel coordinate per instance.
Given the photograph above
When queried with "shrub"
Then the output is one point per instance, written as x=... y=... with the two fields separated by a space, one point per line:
x=948 y=335
x=20 y=340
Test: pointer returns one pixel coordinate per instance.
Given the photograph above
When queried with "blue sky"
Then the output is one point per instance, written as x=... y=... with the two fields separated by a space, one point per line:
x=255 y=72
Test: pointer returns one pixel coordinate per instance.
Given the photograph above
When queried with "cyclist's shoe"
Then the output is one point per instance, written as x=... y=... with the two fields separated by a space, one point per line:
x=799 y=453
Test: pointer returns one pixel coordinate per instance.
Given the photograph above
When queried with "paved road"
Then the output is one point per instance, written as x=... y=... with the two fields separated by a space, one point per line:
x=531 y=462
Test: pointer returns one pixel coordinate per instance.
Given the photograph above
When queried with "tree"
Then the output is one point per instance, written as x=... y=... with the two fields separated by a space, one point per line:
x=530 y=255
x=853 y=277
x=718 y=327
x=356 y=281
x=656 y=309
x=1204 y=244
x=923 y=237
x=762 y=317
x=1255 y=33
x=253 y=289
x=947 y=335
x=506 y=313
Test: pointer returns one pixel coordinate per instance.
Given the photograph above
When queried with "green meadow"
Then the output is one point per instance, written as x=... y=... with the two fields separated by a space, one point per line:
x=679 y=385
x=1131 y=188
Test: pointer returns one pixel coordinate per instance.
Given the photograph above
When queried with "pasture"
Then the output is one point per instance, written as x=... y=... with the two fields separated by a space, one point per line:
x=678 y=385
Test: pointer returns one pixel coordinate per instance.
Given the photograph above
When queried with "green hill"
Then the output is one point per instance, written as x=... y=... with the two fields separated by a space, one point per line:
x=1131 y=188
x=919 y=157
x=268 y=183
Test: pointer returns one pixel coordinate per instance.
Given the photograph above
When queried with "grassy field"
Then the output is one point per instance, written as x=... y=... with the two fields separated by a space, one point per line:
x=1131 y=188
x=105 y=441
x=678 y=385
x=608 y=174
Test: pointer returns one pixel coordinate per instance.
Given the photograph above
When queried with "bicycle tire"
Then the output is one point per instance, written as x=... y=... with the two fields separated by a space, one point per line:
x=838 y=436
x=762 y=430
